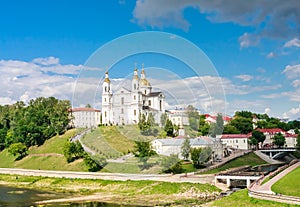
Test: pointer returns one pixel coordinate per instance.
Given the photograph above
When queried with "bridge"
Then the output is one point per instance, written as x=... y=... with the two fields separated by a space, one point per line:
x=229 y=178
x=275 y=153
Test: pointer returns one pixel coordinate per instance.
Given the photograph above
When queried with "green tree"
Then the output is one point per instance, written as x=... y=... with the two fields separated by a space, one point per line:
x=230 y=129
x=143 y=151
x=205 y=155
x=244 y=125
x=253 y=142
x=279 y=140
x=73 y=151
x=203 y=126
x=245 y=114
x=195 y=154
x=171 y=164
x=169 y=128
x=19 y=150
x=186 y=148
x=259 y=136
x=218 y=126
x=194 y=117
x=163 y=119
x=94 y=163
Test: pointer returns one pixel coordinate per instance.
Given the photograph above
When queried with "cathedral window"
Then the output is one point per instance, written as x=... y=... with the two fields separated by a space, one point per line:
x=134 y=112
x=160 y=105
x=134 y=97
x=105 y=114
x=122 y=100
x=122 y=111
x=149 y=103
x=145 y=92
x=105 y=88
x=134 y=86
x=104 y=99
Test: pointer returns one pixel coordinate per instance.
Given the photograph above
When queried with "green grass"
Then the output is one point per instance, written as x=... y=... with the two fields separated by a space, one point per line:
x=46 y=157
x=241 y=199
x=144 y=192
x=249 y=159
x=108 y=141
x=132 y=132
x=289 y=184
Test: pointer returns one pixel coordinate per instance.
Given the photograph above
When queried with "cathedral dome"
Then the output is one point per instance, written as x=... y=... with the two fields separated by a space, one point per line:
x=144 y=82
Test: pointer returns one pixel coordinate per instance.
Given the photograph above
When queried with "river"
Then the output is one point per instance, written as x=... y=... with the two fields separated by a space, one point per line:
x=23 y=197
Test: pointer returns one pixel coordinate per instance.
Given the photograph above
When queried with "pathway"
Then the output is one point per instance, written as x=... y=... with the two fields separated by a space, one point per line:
x=265 y=192
x=266 y=158
x=266 y=187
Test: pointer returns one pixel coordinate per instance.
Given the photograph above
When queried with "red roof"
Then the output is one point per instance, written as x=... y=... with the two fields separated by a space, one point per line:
x=84 y=109
x=272 y=131
x=288 y=135
x=235 y=136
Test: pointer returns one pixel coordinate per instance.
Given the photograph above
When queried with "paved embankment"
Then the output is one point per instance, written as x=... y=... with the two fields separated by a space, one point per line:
x=264 y=191
x=266 y=158
x=110 y=176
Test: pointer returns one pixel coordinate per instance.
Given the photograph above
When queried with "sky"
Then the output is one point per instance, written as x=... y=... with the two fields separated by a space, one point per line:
x=250 y=48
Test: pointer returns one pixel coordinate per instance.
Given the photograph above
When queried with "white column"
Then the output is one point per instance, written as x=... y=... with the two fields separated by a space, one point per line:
x=228 y=182
x=248 y=182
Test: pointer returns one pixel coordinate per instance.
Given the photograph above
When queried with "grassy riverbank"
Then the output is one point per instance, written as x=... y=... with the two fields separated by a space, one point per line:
x=241 y=199
x=289 y=184
x=125 y=192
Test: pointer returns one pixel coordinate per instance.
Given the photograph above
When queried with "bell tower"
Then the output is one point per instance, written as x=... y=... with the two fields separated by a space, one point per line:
x=106 y=101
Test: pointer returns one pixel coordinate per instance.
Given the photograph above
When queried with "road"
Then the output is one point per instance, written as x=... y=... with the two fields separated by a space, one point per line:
x=111 y=176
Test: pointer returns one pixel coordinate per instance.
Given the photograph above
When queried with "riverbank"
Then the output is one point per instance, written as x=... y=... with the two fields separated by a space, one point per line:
x=145 y=193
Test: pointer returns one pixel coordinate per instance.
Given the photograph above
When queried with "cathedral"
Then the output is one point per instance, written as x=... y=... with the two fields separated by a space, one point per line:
x=124 y=106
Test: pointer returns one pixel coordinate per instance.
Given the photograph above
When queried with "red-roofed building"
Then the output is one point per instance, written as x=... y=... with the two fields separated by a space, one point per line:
x=213 y=119
x=241 y=141
x=85 y=117
x=236 y=141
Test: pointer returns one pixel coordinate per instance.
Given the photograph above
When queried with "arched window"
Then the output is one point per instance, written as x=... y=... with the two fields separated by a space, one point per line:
x=105 y=88
x=105 y=114
x=122 y=111
x=134 y=86
x=122 y=100
x=160 y=105
x=149 y=103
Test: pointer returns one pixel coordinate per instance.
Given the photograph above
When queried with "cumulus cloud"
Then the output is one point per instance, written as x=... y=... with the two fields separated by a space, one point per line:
x=293 y=113
x=292 y=71
x=292 y=43
x=23 y=81
x=279 y=19
x=244 y=77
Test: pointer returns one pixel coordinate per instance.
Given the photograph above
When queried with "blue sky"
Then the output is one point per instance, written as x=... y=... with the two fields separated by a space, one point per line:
x=254 y=46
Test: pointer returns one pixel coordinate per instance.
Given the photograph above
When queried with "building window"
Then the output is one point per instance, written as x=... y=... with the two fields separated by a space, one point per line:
x=160 y=105
x=104 y=99
x=236 y=141
x=145 y=91
x=134 y=112
x=134 y=97
x=122 y=100
x=105 y=88
x=149 y=102
x=105 y=114
x=134 y=86
x=122 y=111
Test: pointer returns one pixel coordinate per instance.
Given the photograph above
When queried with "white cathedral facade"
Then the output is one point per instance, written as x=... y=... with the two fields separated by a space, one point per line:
x=124 y=106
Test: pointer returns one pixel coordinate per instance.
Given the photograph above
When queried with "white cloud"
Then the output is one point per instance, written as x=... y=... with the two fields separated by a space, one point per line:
x=296 y=83
x=292 y=43
x=271 y=55
x=244 y=77
x=247 y=40
x=293 y=113
x=46 y=61
x=292 y=71
x=267 y=111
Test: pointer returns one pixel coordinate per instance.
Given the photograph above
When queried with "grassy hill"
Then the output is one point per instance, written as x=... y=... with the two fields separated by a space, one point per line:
x=289 y=184
x=49 y=156
x=114 y=141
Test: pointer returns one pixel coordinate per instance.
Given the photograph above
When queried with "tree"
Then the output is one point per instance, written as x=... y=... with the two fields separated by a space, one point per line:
x=279 y=140
x=259 y=136
x=73 y=151
x=205 y=155
x=94 y=163
x=230 y=129
x=244 y=125
x=169 y=128
x=171 y=164
x=253 y=142
x=195 y=154
x=203 y=126
x=218 y=126
x=186 y=148
x=245 y=114
x=143 y=151
x=18 y=149
x=88 y=106
x=163 y=119
x=194 y=117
